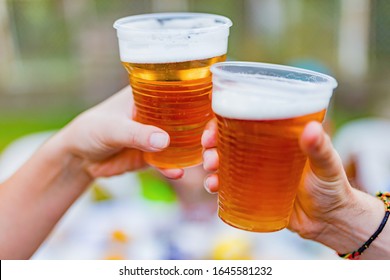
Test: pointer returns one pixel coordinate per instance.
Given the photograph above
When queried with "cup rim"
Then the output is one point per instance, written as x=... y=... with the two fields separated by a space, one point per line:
x=217 y=70
x=121 y=23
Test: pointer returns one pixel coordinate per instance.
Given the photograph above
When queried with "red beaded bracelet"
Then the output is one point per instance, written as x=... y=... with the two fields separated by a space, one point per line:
x=385 y=197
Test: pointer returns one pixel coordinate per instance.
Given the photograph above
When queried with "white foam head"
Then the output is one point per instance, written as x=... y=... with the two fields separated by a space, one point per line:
x=261 y=91
x=172 y=37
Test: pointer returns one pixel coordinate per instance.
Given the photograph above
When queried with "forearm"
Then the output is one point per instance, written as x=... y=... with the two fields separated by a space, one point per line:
x=353 y=226
x=36 y=196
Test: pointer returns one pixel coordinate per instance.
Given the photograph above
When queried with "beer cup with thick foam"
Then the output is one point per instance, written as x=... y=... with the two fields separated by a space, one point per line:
x=262 y=110
x=168 y=58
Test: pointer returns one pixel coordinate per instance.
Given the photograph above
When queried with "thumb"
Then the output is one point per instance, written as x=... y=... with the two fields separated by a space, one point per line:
x=323 y=158
x=132 y=134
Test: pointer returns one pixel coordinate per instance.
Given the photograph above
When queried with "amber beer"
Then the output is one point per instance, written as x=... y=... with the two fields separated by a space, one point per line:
x=176 y=98
x=168 y=58
x=262 y=110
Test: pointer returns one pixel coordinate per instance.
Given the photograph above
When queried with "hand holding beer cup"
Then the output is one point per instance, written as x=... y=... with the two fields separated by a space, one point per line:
x=324 y=189
x=261 y=111
x=110 y=142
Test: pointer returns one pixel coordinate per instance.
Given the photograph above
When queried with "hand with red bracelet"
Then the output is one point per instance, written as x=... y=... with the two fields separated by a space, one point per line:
x=327 y=209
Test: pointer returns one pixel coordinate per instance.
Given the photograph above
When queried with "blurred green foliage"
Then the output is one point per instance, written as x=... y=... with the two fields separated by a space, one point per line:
x=48 y=36
x=63 y=54
x=155 y=188
x=15 y=125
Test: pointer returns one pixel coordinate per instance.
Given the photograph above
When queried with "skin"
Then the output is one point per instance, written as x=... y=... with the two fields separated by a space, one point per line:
x=106 y=141
x=101 y=142
x=327 y=209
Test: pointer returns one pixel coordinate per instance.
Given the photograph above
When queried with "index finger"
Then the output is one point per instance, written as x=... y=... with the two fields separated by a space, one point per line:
x=209 y=136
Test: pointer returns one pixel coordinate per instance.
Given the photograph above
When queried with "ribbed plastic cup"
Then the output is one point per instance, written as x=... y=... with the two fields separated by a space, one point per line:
x=168 y=58
x=262 y=110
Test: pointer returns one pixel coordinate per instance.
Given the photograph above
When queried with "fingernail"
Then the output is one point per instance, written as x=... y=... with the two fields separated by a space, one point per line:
x=206 y=156
x=206 y=184
x=173 y=173
x=320 y=136
x=159 y=140
x=205 y=136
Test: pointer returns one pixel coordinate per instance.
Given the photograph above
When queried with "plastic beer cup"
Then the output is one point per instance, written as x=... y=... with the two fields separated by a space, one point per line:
x=262 y=110
x=168 y=58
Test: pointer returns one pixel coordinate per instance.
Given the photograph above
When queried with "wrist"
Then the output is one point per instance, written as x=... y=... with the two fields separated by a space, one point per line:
x=41 y=191
x=353 y=224
x=60 y=152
